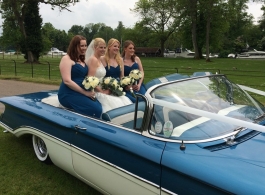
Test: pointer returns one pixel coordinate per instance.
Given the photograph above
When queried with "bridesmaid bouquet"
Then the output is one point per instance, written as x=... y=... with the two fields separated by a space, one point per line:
x=128 y=81
x=113 y=85
x=136 y=74
x=90 y=83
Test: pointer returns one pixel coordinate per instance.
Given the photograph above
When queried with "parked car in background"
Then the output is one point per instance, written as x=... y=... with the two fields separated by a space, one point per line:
x=211 y=55
x=169 y=53
x=197 y=134
x=253 y=54
x=184 y=53
x=10 y=51
x=57 y=52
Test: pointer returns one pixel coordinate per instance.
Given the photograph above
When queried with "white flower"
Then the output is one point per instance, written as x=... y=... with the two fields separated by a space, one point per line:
x=87 y=85
x=94 y=83
x=136 y=74
x=107 y=80
x=90 y=82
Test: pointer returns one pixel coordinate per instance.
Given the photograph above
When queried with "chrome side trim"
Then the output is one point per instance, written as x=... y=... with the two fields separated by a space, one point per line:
x=42 y=132
x=147 y=134
x=116 y=167
x=7 y=128
x=167 y=191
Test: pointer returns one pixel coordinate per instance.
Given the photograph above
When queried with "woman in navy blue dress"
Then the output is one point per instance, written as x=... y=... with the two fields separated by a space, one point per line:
x=73 y=70
x=131 y=62
x=112 y=60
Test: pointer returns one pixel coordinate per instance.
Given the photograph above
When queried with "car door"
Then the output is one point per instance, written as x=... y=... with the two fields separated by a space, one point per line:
x=115 y=159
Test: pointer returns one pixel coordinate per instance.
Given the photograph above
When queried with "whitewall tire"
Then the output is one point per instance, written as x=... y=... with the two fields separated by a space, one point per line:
x=40 y=149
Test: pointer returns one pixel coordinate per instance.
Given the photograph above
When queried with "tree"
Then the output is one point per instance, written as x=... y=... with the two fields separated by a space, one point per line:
x=119 y=32
x=76 y=30
x=32 y=43
x=105 y=32
x=47 y=30
x=91 y=30
x=16 y=10
x=11 y=36
x=141 y=35
x=159 y=15
x=261 y=42
x=239 y=21
x=188 y=10
x=56 y=38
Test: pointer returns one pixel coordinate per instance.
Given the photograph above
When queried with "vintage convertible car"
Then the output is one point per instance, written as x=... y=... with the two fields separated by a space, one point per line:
x=199 y=134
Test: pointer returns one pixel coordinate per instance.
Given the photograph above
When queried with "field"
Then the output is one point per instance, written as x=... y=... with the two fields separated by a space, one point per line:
x=22 y=173
x=241 y=71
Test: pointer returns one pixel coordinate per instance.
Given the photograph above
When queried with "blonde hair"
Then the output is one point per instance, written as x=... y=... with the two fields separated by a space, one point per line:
x=97 y=41
x=116 y=57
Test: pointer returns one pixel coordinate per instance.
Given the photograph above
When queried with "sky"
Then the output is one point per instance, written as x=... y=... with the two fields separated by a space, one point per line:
x=109 y=12
x=84 y=12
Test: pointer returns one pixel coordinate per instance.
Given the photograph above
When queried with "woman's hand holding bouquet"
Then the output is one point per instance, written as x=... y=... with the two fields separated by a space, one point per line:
x=127 y=83
x=112 y=85
x=136 y=75
x=90 y=83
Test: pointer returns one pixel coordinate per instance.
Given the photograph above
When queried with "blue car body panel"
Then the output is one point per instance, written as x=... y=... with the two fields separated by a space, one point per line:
x=127 y=150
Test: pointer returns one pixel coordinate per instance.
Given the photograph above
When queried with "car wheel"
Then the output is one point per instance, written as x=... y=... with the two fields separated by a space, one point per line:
x=40 y=149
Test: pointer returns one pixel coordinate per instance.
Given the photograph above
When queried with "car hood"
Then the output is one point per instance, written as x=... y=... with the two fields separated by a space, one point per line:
x=251 y=151
x=239 y=169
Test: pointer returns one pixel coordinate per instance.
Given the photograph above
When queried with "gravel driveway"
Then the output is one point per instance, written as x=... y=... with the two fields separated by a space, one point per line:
x=11 y=87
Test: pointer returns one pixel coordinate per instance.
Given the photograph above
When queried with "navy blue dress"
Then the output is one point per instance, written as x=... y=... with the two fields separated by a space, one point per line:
x=75 y=100
x=127 y=70
x=113 y=72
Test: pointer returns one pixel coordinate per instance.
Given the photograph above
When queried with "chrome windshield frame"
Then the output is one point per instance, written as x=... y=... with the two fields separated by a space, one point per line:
x=147 y=130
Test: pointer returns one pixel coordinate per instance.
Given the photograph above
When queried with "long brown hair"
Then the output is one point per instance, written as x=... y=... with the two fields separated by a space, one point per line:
x=74 y=49
x=125 y=45
x=117 y=57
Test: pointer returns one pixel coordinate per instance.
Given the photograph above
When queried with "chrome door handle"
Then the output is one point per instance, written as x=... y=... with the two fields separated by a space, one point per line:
x=77 y=127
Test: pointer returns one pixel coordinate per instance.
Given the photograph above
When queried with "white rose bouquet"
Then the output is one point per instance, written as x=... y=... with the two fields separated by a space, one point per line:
x=136 y=75
x=127 y=81
x=90 y=83
x=113 y=85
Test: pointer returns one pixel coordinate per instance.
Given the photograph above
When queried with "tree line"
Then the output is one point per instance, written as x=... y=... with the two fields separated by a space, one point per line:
x=205 y=26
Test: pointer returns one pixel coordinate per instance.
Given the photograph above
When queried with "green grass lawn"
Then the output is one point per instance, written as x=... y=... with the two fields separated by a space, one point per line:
x=22 y=173
x=241 y=71
x=20 y=170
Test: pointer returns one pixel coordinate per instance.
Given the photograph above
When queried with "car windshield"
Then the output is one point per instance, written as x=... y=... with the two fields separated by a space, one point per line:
x=214 y=94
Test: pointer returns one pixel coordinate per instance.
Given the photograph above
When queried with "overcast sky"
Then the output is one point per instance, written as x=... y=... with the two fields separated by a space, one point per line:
x=102 y=11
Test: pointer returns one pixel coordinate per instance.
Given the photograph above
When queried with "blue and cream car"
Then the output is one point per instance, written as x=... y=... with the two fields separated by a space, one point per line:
x=191 y=135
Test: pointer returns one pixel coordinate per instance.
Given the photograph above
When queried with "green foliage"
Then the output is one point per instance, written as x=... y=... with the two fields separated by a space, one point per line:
x=141 y=35
x=17 y=12
x=32 y=22
x=11 y=35
x=105 y=32
x=160 y=16
x=166 y=23
x=55 y=38
x=119 y=31
x=76 y=30
x=239 y=21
